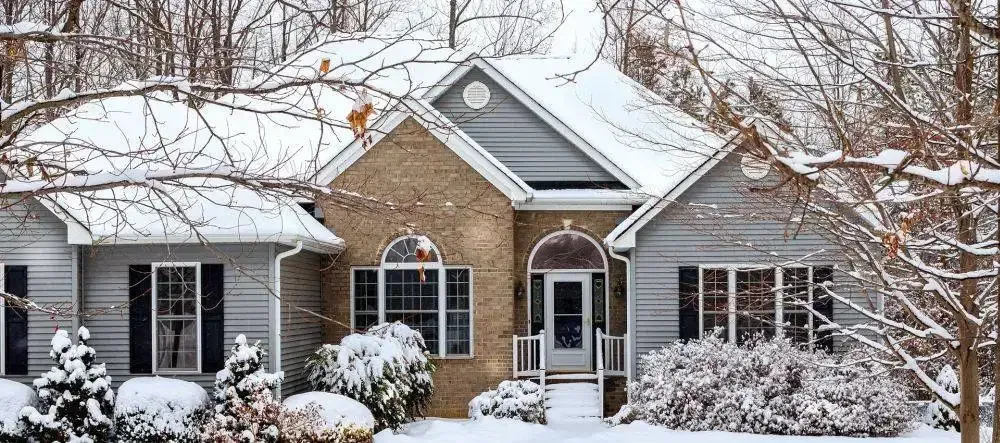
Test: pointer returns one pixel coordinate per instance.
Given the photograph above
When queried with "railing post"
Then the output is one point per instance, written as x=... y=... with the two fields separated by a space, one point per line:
x=541 y=359
x=599 y=336
x=514 y=356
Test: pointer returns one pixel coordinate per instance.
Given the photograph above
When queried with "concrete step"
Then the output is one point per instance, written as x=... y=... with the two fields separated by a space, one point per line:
x=573 y=402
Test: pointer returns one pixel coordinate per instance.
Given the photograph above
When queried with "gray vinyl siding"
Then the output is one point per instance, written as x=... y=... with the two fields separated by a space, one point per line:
x=247 y=295
x=30 y=235
x=301 y=332
x=517 y=137
x=717 y=221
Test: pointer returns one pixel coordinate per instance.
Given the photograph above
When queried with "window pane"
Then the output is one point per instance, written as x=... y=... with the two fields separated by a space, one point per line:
x=796 y=287
x=405 y=292
x=177 y=344
x=720 y=320
x=568 y=251
x=363 y=321
x=755 y=290
x=569 y=331
x=459 y=336
x=715 y=287
x=176 y=291
x=424 y=323
x=457 y=289
x=796 y=326
x=755 y=298
x=366 y=290
x=405 y=251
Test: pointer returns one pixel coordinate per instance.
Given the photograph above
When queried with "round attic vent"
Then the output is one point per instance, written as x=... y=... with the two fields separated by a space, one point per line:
x=476 y=95
x=754 y=168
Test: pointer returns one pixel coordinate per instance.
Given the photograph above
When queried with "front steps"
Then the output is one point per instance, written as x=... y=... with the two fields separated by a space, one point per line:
x=569 y=400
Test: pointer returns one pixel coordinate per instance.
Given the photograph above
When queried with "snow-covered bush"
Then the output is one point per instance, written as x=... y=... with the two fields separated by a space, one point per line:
x=159 y=410
x=938 y=414
x=14 y=396
x=765 y=387
x=386 y=369
x=244 y=407
x=522 y=400
x=75 y=396
x=325 y=415
x=335 y=409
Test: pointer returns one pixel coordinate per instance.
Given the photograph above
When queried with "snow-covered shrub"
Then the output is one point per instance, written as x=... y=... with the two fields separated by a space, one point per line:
x=245 y=409
x=765 y=387
x=159 y=410
x=624 y=416
x=14 y=396
x=386 y=369
x=75 y=396
x=335 y=409
x=938 y=414
x=325 y=417
x=521 y=400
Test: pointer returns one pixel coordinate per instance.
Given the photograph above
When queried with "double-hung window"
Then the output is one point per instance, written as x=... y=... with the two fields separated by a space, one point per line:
x=176 y=317
x=426 y=295
x=744 y=301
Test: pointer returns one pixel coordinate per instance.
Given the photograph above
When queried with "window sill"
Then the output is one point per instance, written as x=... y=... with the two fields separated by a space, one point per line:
x=190 y=372
x=453 y=357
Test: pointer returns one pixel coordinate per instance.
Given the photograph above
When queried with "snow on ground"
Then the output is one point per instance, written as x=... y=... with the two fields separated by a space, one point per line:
x=509 y=431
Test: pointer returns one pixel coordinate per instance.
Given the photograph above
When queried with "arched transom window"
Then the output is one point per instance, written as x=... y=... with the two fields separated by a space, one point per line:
x=567 y=250
x=414 y=286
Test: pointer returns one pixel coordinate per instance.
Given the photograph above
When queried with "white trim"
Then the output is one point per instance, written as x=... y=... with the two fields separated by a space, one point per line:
x=623 y=235
x=197 y=266
x=586 y=319
x=731 y=293
x=308 y=243
x=3 y=320
x=534 y=249
x=447 y=133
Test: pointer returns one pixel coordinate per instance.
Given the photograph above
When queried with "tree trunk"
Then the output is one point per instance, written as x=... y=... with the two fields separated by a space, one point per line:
x=452 y=22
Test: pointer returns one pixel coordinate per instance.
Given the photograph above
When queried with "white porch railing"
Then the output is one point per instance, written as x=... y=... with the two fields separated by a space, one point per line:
x=612 y=357
x=529 y=357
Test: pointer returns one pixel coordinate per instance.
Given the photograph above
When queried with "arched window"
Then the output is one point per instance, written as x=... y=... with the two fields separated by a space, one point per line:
x=567 y=250
x=439 y=305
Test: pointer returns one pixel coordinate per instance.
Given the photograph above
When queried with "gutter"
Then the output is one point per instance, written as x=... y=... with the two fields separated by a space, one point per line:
x=629 y=302
x=276 y=319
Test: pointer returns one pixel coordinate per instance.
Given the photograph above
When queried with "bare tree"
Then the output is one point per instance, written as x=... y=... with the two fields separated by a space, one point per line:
x=882 y=118
x=497 y=28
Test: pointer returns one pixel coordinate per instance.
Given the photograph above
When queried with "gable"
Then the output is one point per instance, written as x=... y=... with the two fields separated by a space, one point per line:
x=520 y=139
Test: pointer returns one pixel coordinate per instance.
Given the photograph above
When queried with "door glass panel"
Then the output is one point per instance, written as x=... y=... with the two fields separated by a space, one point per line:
x=568 y=314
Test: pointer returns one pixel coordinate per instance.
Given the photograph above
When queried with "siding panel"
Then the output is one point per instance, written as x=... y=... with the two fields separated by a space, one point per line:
x=247 y=291
x=518 y=137
x=717 y=221
x=32 y=236
x=301 y=332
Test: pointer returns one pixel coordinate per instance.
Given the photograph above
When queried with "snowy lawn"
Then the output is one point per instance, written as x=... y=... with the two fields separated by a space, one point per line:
x=510 y=431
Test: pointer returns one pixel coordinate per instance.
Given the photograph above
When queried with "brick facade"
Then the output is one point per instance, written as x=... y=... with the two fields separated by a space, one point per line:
x=472 y=223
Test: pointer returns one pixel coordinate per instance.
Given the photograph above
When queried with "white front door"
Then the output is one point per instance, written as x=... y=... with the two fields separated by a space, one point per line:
x=568 y=322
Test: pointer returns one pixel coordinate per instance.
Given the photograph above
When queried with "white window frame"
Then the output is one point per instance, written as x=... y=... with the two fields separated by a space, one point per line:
x=197 y=267
x=3 y=319
x=442 y=310
x=779 y=296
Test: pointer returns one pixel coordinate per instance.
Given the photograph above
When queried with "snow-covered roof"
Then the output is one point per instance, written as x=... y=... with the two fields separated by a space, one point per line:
x=655 y=144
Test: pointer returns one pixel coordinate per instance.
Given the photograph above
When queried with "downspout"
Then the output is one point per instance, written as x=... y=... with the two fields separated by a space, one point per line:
x=276 y=320
x=629 y=329
x=76 y=292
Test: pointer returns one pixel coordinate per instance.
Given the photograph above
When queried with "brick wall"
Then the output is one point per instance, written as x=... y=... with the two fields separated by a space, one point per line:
x=470 y=222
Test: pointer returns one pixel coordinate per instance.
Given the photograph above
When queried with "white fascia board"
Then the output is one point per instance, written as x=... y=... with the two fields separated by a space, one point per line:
x=76 y=233
x=556 y=124
x=580 y=200
x=308 y=243
x=623 y=236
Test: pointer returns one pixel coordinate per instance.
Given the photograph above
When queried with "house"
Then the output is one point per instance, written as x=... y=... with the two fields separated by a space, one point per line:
x=575 y=224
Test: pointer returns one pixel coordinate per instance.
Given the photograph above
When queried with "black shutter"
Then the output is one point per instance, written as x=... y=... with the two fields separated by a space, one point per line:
x=213 y=353
x=597 y=292
x=140 y=319
x=823 y=304
x=537 y=297
x=687 y=288
x=16 y=321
